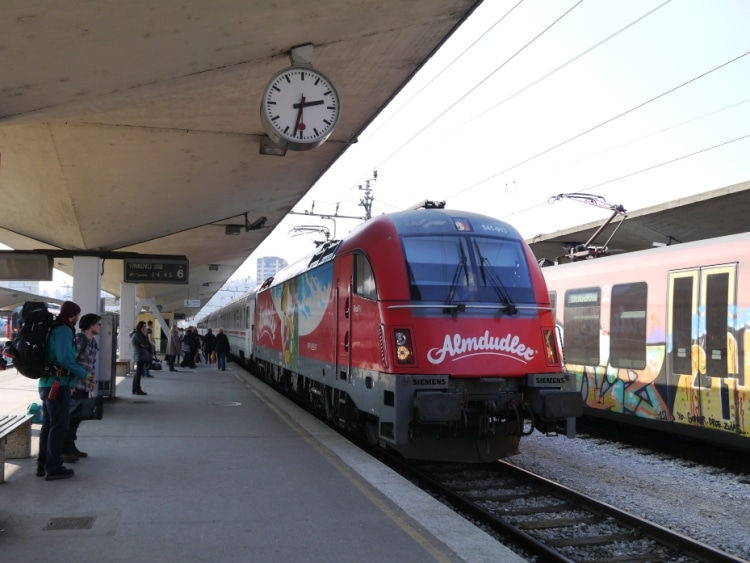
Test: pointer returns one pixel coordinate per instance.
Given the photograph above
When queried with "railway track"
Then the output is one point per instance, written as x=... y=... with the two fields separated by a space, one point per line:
x=549 y=521
x=553 y=522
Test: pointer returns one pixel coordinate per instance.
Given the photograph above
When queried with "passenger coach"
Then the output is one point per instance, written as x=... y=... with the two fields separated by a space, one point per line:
x=659 y=338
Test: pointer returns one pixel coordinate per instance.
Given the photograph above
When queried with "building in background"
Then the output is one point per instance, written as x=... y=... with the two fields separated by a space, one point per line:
x=268 y=266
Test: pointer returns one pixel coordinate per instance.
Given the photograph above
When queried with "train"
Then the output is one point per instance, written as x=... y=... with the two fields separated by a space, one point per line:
x=659 y=338
x=428 y=332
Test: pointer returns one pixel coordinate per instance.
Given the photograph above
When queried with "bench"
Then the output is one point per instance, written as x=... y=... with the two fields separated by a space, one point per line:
x=15 y=439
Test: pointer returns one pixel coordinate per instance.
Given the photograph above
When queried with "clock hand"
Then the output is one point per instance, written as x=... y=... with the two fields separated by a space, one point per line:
x=308 y=104
x=299 y=124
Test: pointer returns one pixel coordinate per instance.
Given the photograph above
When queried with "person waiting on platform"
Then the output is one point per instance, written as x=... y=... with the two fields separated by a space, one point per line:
x=173 y=347
x=86 y=350
x=208 y=345
x=54 y=390
x=221 y=347
x=190 y=346
x=141 y=355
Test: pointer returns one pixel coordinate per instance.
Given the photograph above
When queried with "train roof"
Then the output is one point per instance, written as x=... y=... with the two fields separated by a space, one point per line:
x=409 y=222
x=726 y=249
x=441 y=221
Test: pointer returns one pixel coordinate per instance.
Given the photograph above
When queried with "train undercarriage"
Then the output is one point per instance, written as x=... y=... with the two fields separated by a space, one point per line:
x=471 y=425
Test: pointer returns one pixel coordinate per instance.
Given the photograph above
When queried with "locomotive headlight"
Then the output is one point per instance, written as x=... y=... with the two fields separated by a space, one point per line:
x=550 y=346
x=404 y=350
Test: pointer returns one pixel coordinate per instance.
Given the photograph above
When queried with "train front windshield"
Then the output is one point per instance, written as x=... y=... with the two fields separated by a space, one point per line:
x=467 y=269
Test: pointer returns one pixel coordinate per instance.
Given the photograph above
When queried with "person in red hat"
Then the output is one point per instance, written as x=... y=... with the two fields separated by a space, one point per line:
x=54 y=390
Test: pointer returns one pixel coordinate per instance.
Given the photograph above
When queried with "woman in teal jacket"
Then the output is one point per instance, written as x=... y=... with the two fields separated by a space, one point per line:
x=61 y=356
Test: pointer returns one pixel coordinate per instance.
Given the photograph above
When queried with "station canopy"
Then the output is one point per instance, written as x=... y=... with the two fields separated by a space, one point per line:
x=714 y=213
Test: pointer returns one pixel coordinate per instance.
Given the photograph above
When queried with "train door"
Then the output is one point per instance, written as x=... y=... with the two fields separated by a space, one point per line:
x=365 y=354
x=344 y=273
x=702 y=359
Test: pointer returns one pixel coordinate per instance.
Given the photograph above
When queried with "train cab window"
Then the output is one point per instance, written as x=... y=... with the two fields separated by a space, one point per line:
x=502 y=270
x=582 y=323
x=627 y=326
x=364 y=280
x=438 y=268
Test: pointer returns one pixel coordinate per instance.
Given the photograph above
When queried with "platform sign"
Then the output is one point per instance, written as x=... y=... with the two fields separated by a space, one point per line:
x=193 y=303
x=18 y=266
x=148 y=270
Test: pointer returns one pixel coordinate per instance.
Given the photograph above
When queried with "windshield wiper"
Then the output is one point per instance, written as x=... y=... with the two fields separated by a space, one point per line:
x=491 y=278
x=456 y=276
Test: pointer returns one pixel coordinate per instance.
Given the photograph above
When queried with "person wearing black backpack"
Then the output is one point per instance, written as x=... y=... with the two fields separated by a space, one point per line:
x=54 y=390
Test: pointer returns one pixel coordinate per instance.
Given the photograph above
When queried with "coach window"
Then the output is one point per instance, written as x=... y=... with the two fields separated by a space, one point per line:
x=717 y=306
x=627 y=328
x=364 y=281
x=582 y=322
x=682 y=320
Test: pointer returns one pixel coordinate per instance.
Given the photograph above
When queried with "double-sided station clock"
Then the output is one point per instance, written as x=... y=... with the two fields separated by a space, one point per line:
x=300 y=108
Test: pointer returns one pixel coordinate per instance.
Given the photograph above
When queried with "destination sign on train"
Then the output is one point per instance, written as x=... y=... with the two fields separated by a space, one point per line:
x=147 y=270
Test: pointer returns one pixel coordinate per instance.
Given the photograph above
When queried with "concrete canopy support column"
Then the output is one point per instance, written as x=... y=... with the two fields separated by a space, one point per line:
x=127 y=320
x=87 y=284
x=151 y=304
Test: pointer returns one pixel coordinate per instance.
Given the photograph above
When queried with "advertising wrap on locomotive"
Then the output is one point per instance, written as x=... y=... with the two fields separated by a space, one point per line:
x=428 y=331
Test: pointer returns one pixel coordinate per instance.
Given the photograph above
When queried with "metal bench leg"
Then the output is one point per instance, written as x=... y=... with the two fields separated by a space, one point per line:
x=3 y=441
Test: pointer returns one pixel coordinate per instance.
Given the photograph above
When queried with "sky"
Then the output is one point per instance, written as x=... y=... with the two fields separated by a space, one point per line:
x=640 y=102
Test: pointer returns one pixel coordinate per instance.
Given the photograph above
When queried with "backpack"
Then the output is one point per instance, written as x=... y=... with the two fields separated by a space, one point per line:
x=29 y=346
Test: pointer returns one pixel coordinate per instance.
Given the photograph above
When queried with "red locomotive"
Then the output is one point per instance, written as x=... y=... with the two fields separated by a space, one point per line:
x=429 y=330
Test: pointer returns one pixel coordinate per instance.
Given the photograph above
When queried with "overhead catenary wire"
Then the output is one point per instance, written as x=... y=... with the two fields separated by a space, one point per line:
x=541 y=79
x=603 y=123
x=665 y=163
x=454 y=104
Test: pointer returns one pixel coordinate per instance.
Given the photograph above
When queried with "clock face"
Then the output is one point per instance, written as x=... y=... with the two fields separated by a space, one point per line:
x=300 y=108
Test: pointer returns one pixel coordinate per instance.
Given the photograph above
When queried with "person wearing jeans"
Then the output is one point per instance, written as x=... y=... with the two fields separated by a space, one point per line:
x=141 y=355
x=221 y=347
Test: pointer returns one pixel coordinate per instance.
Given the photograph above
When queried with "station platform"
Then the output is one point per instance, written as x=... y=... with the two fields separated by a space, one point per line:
x=216 y=466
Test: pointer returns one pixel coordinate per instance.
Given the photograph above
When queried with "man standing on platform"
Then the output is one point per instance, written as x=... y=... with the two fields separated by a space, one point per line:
x=86 y=350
